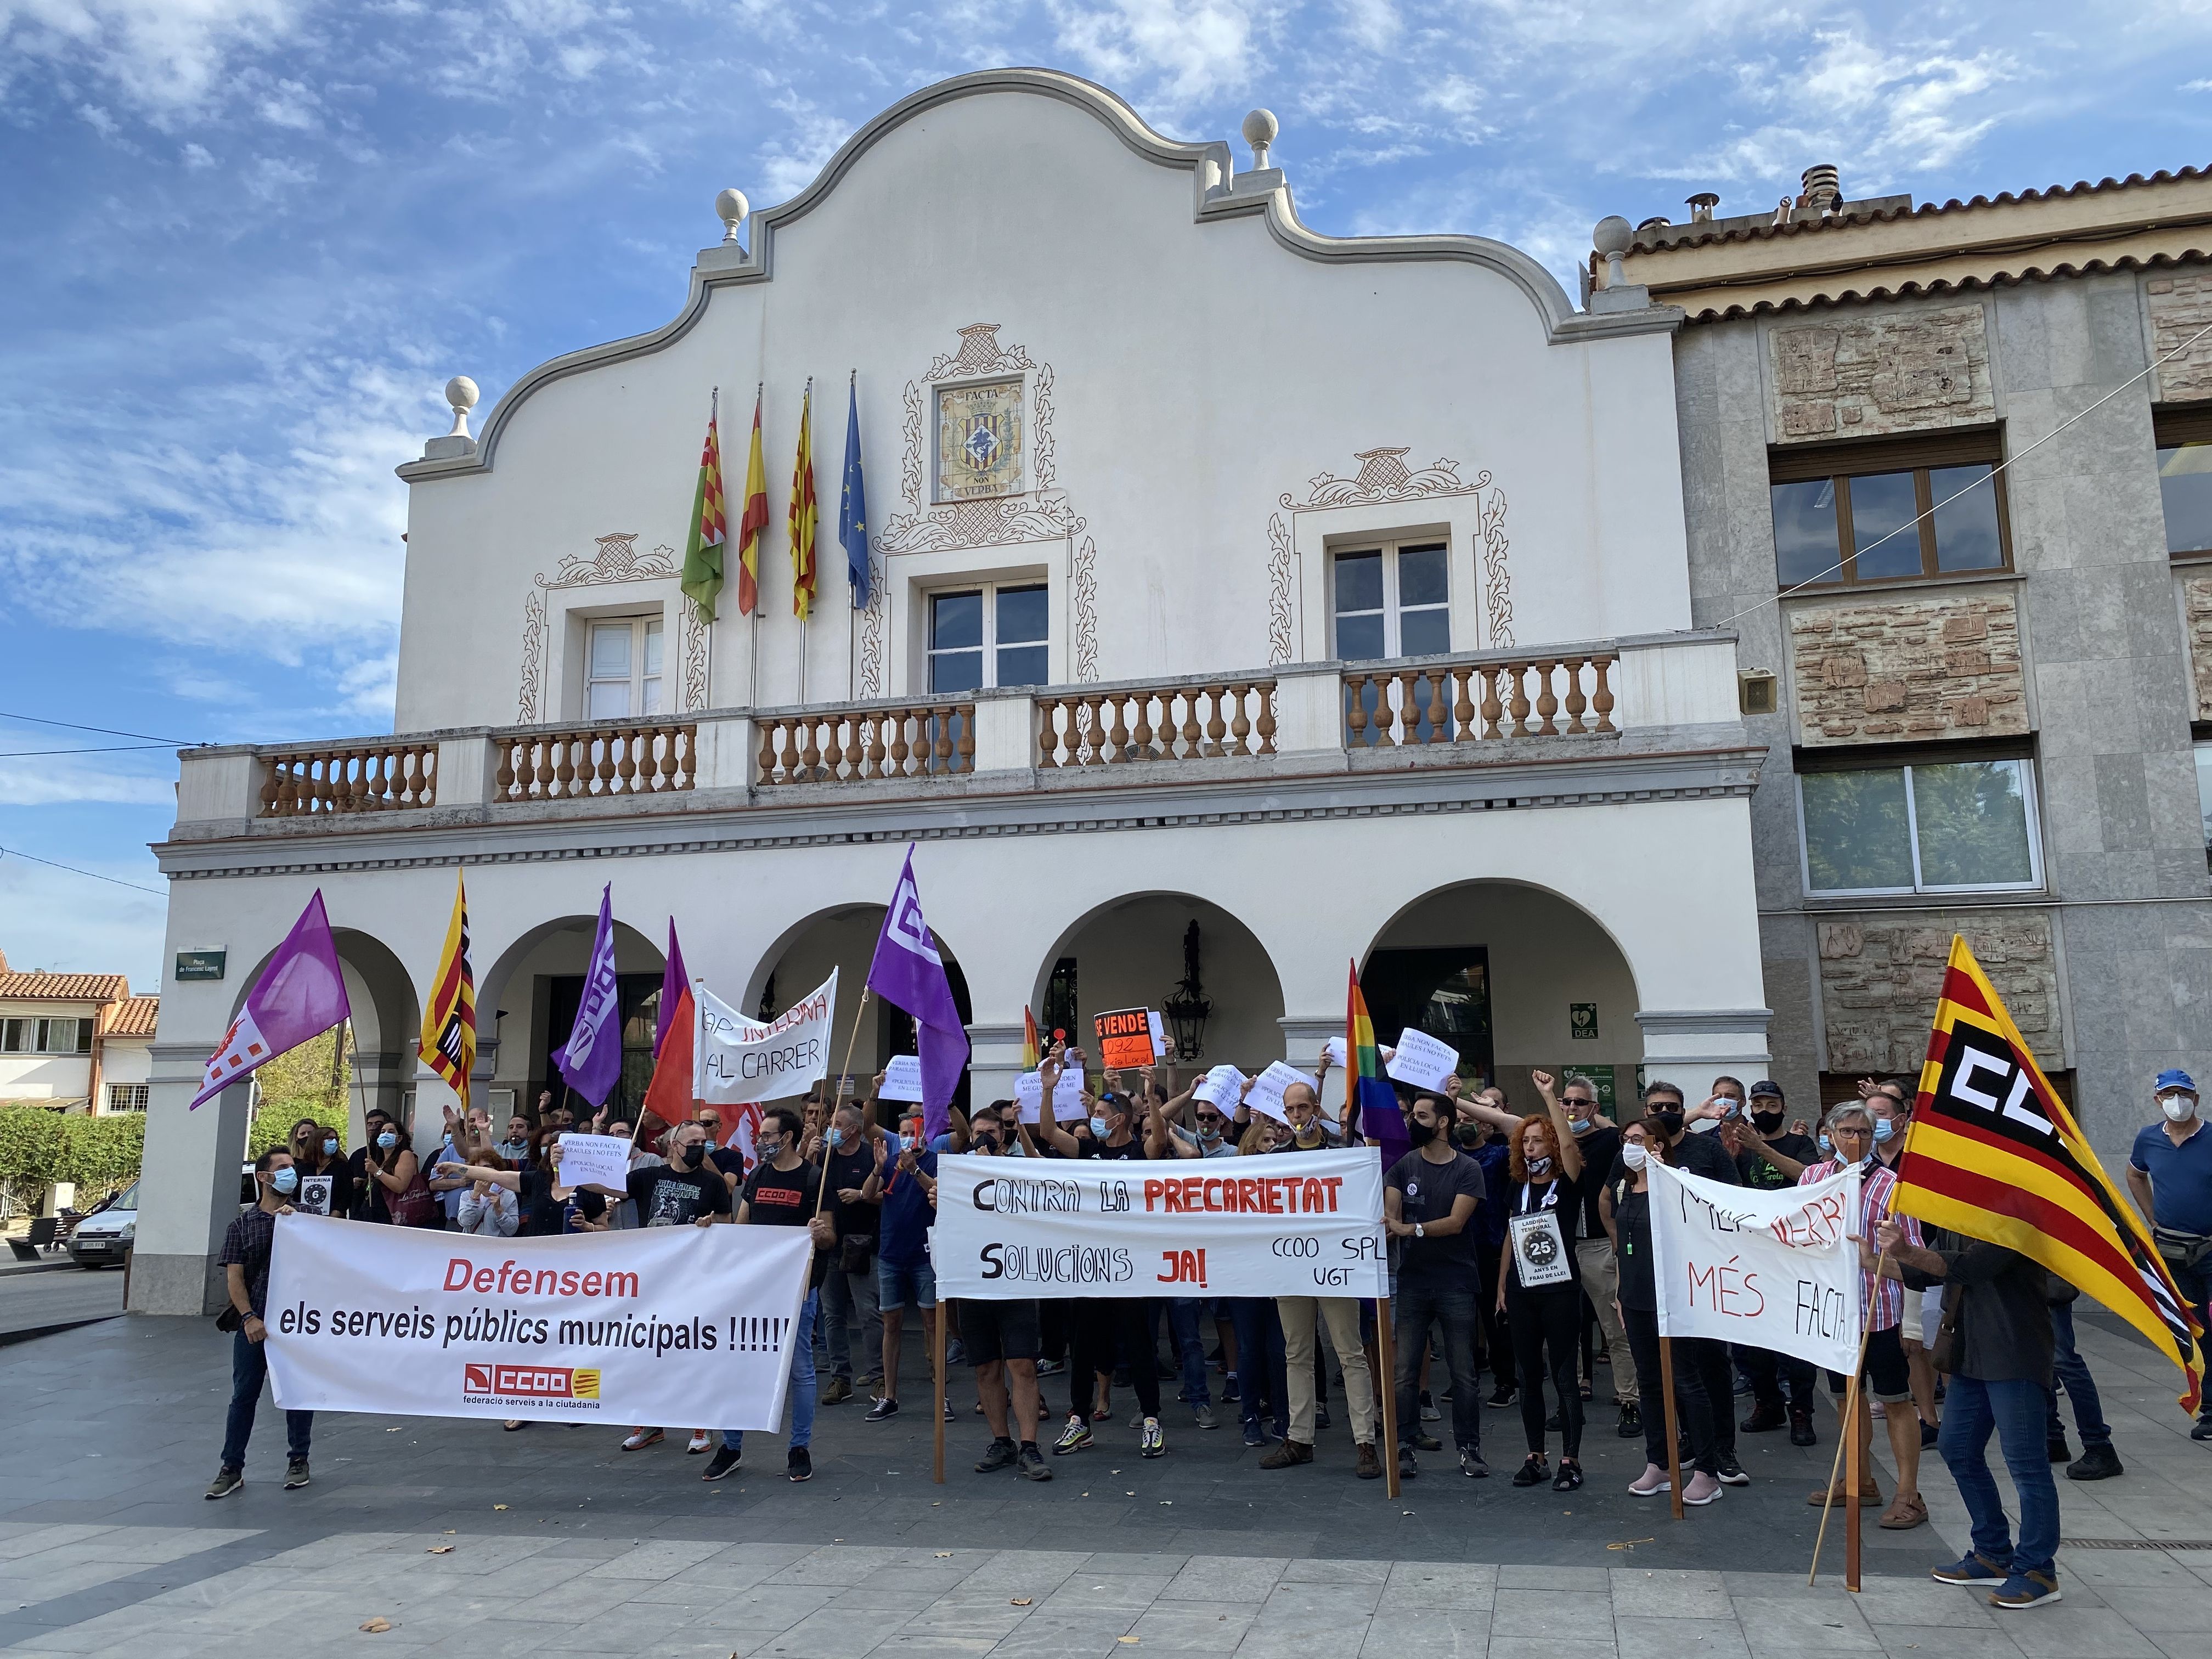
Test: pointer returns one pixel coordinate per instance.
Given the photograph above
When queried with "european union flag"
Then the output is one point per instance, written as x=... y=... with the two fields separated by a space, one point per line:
x=852 y=504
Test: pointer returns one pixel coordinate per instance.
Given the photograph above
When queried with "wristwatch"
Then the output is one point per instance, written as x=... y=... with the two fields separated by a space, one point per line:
x=1420 y=1229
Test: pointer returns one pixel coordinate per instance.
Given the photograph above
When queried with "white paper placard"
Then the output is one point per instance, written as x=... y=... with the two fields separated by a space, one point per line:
x=601 y=1161
x=1266 y=1093
x=313 y=1197
x=1539 y=1250
x=1222 y=1087
x=1421 y=1060
x=1159 y=1035
x=1337 y=1056
x=1067 y=1097
x=901 y=1078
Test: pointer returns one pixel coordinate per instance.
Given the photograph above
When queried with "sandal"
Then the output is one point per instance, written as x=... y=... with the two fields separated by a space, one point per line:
x=1904 y=1515
x=1870 y=1497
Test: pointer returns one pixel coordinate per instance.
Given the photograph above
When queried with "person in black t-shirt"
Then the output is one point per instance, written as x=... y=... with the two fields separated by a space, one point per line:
x=1545 y=1317
x=683 y=1192
x=850 y=1314
x=1430 y=1197
x=1767 y=1158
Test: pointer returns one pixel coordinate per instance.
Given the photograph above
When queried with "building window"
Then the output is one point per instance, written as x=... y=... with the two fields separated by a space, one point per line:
x=1925 y=827
x=1888 y=512
x=624 y=668
x=1394 y=600
x=2204 y=794
x=45 y=1037
x=991 y=635
x=126 y=1097
x=2184 y=479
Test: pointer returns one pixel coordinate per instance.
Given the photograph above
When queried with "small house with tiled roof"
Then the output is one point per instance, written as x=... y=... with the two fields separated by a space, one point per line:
x=74 y=1042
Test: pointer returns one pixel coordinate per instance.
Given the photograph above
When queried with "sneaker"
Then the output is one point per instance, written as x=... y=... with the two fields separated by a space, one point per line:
x=1202 y=1414
x=515 y=1423
x=1502 y=1395
x=639 y=1439
x=1765 y=1416
x=869 y=1384
x=1881 y=1410
x=1649 y=1483
x=948 y=1413
x=1632 y=1420
x=1732 y=1473
x=2027 y=1589
x=2095 y=1463
x=1701 y=1488
x=839 y=1391
x=1370 y=1466
x=296 y=1475
x=2056 y=1449
x=2204 y=1429
x=1929 y=1434
x=1031 y=1465
x=1322 y=1419
x=956 y=1351
x=799 y=1466
x=1801 y=1427
x=725 y=1459
x=1000 y=1456
x=1229 y=1396
x=1289 y=1455
x=1152 y=1443
x=1428 y=1413
x=1533 y=1472
x=1551 y=1425
x=1407 y=1468
x=1971 y=1570
x=1427 y=1442
x=1471 y=1464
x=227 y=1480
x=881 y=1411
x=1075 y=1438
x=1256 y=1434
x=1570 y=1477
x=1051 y=1367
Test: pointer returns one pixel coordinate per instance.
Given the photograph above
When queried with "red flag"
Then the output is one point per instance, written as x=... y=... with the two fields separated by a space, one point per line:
x=668 y=1097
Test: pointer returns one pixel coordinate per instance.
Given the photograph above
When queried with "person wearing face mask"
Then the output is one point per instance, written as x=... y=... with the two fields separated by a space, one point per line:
x=1601 y=1142
x=852 y=1154
x=1430 y=1197
x=2169 y=1178
x=1893 y=1116
x=316 y=1150
x=1002 y=1340
x=389 y=1184
x=905 y=1189
x=1544 y=1318
x=244 y=1259
x=1166 y=1137
x=1768 y=1158
x=515 y=1149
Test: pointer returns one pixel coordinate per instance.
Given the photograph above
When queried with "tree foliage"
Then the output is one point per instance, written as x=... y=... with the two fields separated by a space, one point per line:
x=40 y=1147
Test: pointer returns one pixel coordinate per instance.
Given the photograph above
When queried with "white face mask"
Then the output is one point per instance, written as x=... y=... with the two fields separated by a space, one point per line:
x=1635 y=1154
x=2178 y=1109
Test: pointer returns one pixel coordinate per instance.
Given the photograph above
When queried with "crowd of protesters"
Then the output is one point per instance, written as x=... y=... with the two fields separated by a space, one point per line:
x=861 y=1175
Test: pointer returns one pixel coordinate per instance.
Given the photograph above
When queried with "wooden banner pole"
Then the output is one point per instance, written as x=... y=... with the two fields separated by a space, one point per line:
x=1673 y=1423
x=1847 y=1442
x=822 y=1192
x=1386 y=1387
x=937 y=1406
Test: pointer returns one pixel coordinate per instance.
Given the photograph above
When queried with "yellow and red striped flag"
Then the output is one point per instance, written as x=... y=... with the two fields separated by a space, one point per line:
x=703 y=550
x=1031 y=1049
x=804 y=512
x=448 y=1044
x=1995 y=1154
x=754 y=525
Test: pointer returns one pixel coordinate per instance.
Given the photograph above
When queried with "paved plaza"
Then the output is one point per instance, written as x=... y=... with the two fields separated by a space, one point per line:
x=464 y=1539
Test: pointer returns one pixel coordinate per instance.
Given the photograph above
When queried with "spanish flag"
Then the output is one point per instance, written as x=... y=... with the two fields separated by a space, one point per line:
x=1995 y=1154
x=754 y=525
x=703 y=550
x=448 y=1045
x=1031 y=1050
x=803 y=513
x=1366 y=1090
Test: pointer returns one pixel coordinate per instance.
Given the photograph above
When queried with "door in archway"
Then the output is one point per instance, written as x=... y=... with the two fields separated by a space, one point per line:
x=1443 y=991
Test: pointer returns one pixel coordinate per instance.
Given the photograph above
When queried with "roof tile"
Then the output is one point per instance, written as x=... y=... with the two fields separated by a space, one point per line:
x=64 y=987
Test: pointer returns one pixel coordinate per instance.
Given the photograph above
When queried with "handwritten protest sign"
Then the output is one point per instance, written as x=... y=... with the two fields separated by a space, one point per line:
x=1125 y=1038
x=1421 y=1060
x=1774 y=1270
x=1067 y=1097
x=601 y=1161
x=1266 y=1096
x=901 y=1078
x=735 y=1060
x=1223 y=1086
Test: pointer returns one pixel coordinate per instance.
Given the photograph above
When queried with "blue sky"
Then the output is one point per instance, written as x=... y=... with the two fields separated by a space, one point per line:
x=244 y=243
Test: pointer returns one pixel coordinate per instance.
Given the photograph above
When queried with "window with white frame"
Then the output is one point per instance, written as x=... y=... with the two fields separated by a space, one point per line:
x=1921 y=827
x=1391 y=600
x=45 y=1037
x=622 y=667
x=995 y=635
x=126 y=1097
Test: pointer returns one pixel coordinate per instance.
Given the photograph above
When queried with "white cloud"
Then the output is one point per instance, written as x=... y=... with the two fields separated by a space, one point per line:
x=165 y=58
x=1192 y=49
x=197 y=156
x=72 y=925
x=63 y=779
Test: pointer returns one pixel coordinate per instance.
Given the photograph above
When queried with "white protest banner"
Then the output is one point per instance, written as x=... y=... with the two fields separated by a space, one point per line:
x=1771 y=1270
x=735 y=1060
x=1266 y=1096
x=1067 y=1097
x=1421 y=1059
x=1294 y=1224
x=600 y=1161
x=667 y=1324
x=1222 y=1087
x=901 y=1078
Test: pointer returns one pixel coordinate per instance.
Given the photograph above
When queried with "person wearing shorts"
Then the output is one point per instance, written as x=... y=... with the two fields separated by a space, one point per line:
x=1002 y=1345
x=906 y=1190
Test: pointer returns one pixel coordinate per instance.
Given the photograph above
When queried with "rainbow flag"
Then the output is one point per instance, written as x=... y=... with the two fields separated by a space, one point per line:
x=1030 y=1048
x=1366 y=1090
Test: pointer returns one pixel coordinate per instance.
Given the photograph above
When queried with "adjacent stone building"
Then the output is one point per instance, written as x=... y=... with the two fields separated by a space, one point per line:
x=1948 y=474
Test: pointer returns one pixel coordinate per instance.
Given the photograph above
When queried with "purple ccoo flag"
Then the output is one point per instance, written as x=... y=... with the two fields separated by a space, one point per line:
x=674 y=981
x=908 y=973
x=300 y=995
x=592 y=1058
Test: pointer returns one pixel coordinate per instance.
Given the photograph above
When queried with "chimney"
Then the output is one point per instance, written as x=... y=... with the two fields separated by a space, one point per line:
x=1824 y=189
x=1702 y=205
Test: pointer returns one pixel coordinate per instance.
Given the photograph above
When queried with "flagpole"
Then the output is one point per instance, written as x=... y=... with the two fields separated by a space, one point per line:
x=852 y=612
x=936 y=1369
x=823 y=1191
x=806 y=443
x=1673 y=1428
x=1386 y=1353
x=1848 y=1441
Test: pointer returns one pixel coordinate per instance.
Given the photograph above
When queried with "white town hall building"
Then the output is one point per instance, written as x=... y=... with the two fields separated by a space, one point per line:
x=1330 y=595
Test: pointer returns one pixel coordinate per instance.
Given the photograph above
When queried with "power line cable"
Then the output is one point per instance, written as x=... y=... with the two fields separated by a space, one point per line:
x=103 y=749
x=108 y=731
x=11 y=853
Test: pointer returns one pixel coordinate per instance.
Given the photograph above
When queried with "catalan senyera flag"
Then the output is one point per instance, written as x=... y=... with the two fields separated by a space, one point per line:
x=803 y=511
x=754 y=523
x=449 y=1017
x=1366 y=1090
x=1032 y=1051
x=702 y=547
x=1995 y=1154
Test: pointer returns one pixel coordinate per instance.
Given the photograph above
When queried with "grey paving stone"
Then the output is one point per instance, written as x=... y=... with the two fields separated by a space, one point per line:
x=1661 y=1594
x=1558 y=1614
x=1417 y=1584
x=1679 y=1638
x=1192 y=1627
x=2063 y=1632
x=1427 y=1632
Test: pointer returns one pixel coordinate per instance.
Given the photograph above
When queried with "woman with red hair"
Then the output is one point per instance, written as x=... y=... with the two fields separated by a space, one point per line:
x=1540 y=1287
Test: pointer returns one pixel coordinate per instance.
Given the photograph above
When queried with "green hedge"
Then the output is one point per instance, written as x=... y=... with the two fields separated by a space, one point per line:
x=40 y=1147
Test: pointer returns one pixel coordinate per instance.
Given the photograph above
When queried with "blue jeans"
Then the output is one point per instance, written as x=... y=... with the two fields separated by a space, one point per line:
x=802 y=1380
x=1183 y=1314
x=1260 y=1361
x=249 y=1365
x=2072 y=1370
x=2014 y=1410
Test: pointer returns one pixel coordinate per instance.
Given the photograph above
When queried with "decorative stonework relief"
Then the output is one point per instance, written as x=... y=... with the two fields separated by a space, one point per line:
x=2197 y=608
x=1907 y=371
x=615 y=560
x=1880 y=975
x=1906 y=667
x=1383 y=477
x=1040 y=513
x=2180 y=308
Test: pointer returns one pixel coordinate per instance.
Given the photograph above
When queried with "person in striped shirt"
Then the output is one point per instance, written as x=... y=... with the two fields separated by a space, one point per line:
x=1848 y=1139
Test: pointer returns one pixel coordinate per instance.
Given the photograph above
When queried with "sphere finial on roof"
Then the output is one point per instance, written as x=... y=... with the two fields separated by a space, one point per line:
x=730 y=208
x=461 y=395
x=1259 y=130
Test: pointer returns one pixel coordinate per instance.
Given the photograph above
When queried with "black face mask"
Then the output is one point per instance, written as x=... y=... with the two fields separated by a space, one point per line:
x=1766 y=1122
x=1468 y=1134
x=689 y=1157
x=1669 y=1122
x=1419 y=1132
